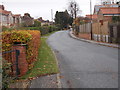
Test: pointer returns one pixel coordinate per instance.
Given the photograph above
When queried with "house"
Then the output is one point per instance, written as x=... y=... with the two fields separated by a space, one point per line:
x=44 y=22
x=17 y=20
x=6 y=18
x=27 y=20
x=107 y=13
x=104 y=4
x=93 y=17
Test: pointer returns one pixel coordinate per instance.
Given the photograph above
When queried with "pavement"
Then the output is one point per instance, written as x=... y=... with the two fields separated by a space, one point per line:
x=91 y=41
x=49 y=81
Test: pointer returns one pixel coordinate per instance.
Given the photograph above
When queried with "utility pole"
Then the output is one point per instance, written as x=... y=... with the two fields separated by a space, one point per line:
x=91 y=17
x=52 y=15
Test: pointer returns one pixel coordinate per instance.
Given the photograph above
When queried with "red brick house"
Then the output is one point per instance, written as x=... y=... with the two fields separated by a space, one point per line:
x=93 y=17
x=107 y=13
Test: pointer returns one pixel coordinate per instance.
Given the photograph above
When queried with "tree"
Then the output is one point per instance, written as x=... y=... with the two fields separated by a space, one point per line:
x=73 y=8
x=63 y=19
x=37 y=23
x=116 y=18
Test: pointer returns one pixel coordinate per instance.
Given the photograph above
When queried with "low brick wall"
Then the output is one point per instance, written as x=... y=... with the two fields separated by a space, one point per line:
x=85 y=36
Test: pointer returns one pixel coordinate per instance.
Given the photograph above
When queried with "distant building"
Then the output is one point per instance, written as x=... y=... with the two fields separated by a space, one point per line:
x=17 y=20
x=6 y=18
x=27 y=20
x=44 y=22
x=93 y=17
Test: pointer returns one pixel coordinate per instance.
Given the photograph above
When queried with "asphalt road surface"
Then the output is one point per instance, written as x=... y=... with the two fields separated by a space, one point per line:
x=83 y=64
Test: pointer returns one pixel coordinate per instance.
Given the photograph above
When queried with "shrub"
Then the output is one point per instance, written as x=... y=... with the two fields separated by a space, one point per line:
x=33 y=46
x=29 y=37
x=43 y=29
x=4 y=28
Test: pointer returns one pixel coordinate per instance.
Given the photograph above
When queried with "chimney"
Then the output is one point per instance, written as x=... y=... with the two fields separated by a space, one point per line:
x=113 y=2
x=2 y=7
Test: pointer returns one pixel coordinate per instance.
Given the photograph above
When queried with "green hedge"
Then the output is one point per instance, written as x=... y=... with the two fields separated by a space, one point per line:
x=43 y=29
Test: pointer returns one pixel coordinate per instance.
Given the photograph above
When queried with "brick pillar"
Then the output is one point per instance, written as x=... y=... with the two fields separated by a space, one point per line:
x=22 y=63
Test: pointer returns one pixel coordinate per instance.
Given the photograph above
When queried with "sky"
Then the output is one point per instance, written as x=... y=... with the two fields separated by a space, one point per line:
x=42 y=8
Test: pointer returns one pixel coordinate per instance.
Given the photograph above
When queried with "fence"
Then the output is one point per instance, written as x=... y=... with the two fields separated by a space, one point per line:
x=100 y=31
x=83 y=31
x=114 y=29
x=85 y=28
x=104 y=32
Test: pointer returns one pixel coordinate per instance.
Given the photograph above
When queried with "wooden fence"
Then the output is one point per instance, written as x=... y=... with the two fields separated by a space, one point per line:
x=100 y=31
x=103 y=32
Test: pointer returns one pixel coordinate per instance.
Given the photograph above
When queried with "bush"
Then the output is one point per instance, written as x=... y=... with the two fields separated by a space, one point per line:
x=4 y=28
x=29 y=37
x=6 y=68
x=43 y=29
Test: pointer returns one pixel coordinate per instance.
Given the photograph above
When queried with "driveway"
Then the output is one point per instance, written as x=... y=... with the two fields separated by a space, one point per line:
x=83 y=64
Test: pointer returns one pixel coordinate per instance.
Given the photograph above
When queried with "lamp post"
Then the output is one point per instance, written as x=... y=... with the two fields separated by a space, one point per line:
x=91 y=18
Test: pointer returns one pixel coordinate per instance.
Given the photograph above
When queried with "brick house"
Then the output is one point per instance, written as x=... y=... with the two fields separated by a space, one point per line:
x=27 y=20
x=107 y=13
x=93 y=17
x=97 y=7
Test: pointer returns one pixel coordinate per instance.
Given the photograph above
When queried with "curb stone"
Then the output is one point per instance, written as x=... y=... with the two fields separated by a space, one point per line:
x=91 y=41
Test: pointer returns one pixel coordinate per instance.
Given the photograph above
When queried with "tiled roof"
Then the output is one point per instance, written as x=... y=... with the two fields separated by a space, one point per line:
x=94 y=16
x=16 y=15
x=110 y=10
x=97 y=7
x=5 y=12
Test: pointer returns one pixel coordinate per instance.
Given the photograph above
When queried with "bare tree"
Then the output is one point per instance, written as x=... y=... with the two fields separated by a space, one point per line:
x=73 y=8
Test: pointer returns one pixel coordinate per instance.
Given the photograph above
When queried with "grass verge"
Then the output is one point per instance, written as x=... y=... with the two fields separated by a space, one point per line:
x=46 y=63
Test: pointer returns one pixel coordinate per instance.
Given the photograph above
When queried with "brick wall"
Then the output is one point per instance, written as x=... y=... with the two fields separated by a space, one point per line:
x=22 y=63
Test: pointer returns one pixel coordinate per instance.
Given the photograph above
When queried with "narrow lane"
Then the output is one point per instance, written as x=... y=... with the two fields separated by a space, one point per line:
x=84 y=65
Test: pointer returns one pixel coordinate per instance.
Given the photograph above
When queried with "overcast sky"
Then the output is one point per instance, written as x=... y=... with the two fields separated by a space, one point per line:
x=42 y=8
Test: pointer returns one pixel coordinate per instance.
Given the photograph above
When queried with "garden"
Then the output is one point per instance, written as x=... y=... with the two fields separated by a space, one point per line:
x=38 y=55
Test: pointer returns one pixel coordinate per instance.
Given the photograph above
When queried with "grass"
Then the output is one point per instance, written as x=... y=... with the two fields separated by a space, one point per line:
x=46 y=63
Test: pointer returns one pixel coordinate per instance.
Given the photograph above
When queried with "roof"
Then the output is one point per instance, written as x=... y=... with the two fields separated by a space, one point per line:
x=110 y=10
x=5 y=12
x=97 y=7
x=94 y=16
x=17 y=15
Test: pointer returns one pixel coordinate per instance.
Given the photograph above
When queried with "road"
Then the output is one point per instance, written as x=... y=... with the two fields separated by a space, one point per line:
x=83 y=64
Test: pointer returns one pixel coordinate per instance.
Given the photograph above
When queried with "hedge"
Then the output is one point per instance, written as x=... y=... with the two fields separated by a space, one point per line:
x=43 y=29
x=29 y=37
